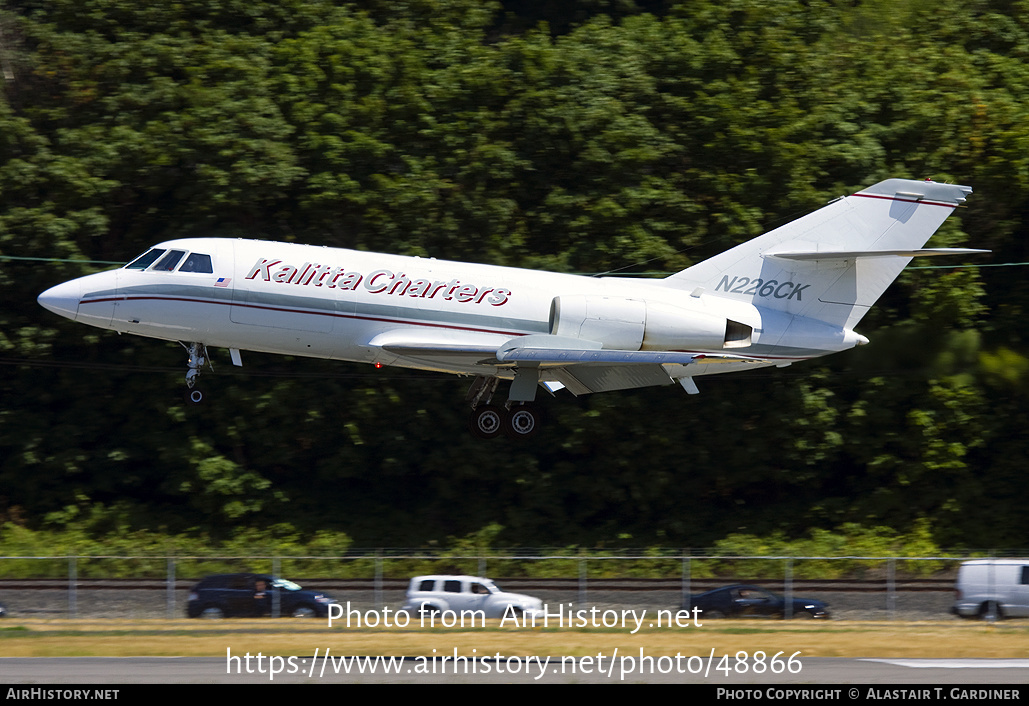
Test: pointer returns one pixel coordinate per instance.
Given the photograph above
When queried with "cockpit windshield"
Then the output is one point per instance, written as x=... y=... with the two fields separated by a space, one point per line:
x=194 y=262
x=145 y=260
x=169 y=261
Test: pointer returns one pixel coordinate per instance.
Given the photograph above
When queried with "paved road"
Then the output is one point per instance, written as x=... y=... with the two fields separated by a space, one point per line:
x=931 y=673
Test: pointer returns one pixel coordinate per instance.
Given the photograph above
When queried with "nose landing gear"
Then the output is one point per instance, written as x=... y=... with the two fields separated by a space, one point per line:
x=197 y=359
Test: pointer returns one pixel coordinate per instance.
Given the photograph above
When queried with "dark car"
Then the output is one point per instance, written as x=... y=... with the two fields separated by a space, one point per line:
x=253 y=595
x=743 y=601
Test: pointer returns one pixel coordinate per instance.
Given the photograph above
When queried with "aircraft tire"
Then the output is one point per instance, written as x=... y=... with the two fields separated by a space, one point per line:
x=487 y=421
x=523 y=422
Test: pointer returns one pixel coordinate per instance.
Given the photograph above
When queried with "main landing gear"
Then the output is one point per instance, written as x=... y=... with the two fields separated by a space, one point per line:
x=519 y=422
x=516 y=420
x=197 y=359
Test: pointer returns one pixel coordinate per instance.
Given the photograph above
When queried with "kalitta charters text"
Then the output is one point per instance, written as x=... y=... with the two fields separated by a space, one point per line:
x=559 y=617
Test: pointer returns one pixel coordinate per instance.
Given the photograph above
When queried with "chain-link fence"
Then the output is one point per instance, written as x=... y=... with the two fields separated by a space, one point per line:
x=855 y=587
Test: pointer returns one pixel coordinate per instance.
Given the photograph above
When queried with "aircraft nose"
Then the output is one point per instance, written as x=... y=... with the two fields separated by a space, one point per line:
x=62 y=299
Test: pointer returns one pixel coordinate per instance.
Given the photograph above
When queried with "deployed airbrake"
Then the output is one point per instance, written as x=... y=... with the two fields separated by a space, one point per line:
x=794 y=293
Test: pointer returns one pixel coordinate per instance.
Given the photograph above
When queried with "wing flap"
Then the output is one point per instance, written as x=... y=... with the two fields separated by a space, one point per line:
x=551 y=356
x=544 y=349
x=718 y=358
x=584 y=379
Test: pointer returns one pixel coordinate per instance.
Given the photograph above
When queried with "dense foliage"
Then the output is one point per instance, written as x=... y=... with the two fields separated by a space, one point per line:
x=583 y=136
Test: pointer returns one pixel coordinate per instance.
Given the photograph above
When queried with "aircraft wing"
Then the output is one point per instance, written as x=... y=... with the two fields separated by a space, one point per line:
x=579 y=365
x=535 y=349
x=548 y=350
x=440 y=350
x=550 y=357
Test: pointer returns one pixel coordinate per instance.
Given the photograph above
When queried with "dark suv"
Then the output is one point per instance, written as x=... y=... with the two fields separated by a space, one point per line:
x=252 y=596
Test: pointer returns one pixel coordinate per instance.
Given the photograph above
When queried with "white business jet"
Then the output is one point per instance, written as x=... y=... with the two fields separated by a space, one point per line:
x=794 y=293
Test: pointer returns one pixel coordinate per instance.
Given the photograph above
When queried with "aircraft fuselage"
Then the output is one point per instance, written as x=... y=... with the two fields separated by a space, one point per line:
x=344 y=304
x=791 y=294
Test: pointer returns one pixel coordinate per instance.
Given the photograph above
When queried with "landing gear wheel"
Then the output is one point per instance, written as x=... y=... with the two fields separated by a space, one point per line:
x=523 y=422
x=198 y=358
x=487 y=421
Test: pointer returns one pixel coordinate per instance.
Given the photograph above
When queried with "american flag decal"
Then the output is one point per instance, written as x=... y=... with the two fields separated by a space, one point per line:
x=223 y=282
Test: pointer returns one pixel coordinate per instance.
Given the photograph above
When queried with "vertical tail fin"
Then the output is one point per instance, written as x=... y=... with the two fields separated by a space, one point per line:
x=833 y=264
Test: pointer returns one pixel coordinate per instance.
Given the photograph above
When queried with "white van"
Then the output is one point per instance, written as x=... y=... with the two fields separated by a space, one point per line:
x=993 y=588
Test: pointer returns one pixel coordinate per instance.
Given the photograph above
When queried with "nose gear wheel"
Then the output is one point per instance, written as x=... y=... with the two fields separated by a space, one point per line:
x=198 y=357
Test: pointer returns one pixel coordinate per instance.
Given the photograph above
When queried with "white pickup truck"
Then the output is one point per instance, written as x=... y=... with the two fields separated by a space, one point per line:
x=432 y=594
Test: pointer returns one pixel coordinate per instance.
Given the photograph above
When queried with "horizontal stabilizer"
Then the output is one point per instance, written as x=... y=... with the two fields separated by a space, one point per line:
x=853 y=254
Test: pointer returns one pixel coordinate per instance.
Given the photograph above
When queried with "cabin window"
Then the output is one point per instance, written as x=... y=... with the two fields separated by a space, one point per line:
x=169 y=261
x=145 y=260
x=197 y=262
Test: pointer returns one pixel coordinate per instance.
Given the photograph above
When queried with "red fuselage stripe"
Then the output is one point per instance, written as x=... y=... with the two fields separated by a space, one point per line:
x=333 y=314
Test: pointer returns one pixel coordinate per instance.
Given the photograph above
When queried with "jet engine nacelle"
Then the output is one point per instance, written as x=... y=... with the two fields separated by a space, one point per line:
x=635 y=324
